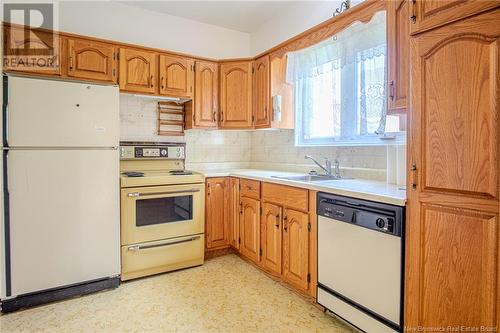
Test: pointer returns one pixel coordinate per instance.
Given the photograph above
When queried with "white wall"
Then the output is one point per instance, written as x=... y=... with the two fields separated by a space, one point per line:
x=120 y=22
x=299 y=17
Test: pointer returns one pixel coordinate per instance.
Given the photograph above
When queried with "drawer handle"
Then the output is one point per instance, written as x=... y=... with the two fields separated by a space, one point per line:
x=143 y=247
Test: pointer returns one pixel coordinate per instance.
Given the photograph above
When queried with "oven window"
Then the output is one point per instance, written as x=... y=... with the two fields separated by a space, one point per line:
x=163 y=210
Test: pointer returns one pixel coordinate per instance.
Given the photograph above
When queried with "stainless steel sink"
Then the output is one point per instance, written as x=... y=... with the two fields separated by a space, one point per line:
x=309 y=178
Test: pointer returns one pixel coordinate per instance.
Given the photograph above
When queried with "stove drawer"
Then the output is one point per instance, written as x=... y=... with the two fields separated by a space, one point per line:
x=161 y=256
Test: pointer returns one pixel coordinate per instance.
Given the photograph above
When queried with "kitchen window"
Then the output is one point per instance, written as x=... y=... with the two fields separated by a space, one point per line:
x=340 y=89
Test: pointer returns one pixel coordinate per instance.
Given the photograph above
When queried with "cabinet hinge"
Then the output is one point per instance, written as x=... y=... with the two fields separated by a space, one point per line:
x=117 y=56
x=413 y=16
x=260 y=210
x=309 y=227
x=308 y=277
x=260 y=252
x=114 y=72
x=253 y=119
x=253 y=70
x=239 y=240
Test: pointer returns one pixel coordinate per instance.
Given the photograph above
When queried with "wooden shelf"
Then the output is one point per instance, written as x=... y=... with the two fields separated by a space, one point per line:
x=174 y=125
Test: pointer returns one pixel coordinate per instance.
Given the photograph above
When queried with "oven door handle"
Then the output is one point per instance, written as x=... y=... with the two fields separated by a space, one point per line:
x=139 y=194
x=180 y=241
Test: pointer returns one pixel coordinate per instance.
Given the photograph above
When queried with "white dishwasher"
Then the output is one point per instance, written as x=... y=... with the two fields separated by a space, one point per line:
x=360 y=261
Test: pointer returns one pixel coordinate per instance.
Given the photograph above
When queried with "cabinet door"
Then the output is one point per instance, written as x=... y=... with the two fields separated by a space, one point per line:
x=296 y=249
x=206 y=94
x=91 y=60
x=279 y=87
x=138 y=71
x=398 y=35
x=452 y=234
x=250 y=228
x=176 y=76
x=216 y=225
x=428 y=14
x=271 y=237
x=261 y=103
x=236 y=95
x=32 y=51
x=234 y=214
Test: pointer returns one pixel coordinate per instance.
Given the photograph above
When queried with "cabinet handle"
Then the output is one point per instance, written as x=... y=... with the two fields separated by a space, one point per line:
x=413 y=176
x=277 y=225
x=241 y=208
x=214 y=117
x=391 y=90
x=151 y=81
x=161 y=83
x=285 y=223
x=221 y=116
x=71 y=63
x=265 y=112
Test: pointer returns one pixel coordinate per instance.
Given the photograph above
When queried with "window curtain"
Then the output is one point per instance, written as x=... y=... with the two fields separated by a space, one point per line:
x=340 y=83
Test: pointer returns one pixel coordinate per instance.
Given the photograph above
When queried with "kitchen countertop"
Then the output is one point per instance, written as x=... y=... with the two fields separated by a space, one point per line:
x=357 y=188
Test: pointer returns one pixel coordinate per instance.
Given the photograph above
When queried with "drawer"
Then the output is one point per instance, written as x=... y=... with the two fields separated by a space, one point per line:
x=161 y=256
x=287 y=196
x=250 y=188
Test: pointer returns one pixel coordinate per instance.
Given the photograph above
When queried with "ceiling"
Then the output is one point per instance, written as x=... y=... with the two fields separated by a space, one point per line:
x=245 y=16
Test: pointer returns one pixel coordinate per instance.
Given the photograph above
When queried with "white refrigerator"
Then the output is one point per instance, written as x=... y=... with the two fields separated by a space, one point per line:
x=61 y=203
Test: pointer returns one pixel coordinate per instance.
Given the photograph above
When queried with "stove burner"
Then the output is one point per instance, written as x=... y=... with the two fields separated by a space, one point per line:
x=133 y=174
x=180 y=172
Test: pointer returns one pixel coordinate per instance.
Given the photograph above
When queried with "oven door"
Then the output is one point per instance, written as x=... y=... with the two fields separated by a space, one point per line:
x=161 y=212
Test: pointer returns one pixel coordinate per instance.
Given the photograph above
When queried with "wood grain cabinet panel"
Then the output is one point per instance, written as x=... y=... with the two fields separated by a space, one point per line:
x=428 y=14
x=296 y=249
x=236 y=95
x=91 y=60
x=261 y=90
x=234 y=213
x=452 y=254
x=138 y=71
x=206 y=95
x=271 y=235
x=217 y=213
x=31 y=51
x=176 y=76
x=250 y=228
x=398 y=35
x=250 y=188
x=280 y=87
x=288 y=196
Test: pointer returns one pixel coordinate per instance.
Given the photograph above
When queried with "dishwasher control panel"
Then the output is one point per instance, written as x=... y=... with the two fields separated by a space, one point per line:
x=377 y=216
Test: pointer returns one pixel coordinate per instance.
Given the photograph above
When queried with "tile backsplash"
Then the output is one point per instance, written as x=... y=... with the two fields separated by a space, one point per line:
x=265 y=149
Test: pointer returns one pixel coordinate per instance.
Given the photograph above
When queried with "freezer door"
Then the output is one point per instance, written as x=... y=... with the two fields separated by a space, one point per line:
x=64 y=217
x=49 y=113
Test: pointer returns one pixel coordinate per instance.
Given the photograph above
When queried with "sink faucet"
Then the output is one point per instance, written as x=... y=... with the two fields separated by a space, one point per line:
x=328 y=165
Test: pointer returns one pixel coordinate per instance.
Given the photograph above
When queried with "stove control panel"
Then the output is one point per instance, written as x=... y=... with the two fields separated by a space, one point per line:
x=130 y=152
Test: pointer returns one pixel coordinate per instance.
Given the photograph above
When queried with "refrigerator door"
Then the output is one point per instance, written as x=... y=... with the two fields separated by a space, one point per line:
x=64 y=217
x=49 y=113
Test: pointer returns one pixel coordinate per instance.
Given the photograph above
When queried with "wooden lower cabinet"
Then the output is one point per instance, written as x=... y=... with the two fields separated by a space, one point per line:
x=296 y=249
x=271 y=237
x=234 y=212
x=250 y=228
x=217 y=213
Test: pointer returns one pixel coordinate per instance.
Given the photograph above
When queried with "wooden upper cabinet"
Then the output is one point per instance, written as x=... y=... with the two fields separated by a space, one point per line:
x=176 y=76
x=206 y=95
x=428 y=14
x=452 y=238
x=216 y=223
x=279 y=87
x=236 y=95
x=398 y=40
x=271 y=236
x=296 y=249
x=261 y=90
x=138 y=71
x=31 y=50
x=91 y=60
x=250 y=228
x=234 y=212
